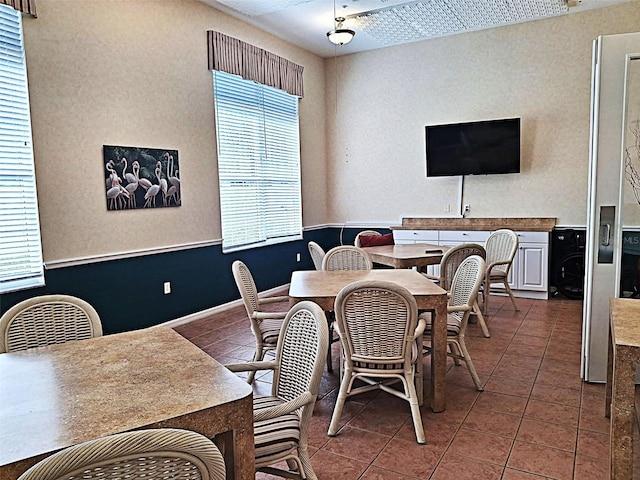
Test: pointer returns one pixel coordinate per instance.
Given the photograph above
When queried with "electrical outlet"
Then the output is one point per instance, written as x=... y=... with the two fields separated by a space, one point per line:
x=447 y=208
x=297 y=257
x=167 y=288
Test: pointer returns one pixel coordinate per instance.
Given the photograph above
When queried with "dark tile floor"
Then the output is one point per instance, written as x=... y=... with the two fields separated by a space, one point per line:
x=536 y=419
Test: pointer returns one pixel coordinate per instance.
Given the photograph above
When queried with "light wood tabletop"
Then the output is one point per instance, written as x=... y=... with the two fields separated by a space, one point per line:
x=322 y=287
x=57 y=396
x=406 y=255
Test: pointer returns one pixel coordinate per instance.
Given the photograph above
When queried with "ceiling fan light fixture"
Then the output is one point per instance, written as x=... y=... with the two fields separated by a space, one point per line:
x=339 y=35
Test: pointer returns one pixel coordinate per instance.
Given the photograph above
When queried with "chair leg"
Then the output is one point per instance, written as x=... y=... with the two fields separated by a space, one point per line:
x=456 y=354
x=513 y=299
x=485 y=296
x=472 y=369
x=415 y=411
x=303 y=455
x=478 y=313
x=337 y=410
x=329 y=358
x=419 y=377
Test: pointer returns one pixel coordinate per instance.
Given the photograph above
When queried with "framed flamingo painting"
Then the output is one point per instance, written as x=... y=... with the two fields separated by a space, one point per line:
x=141 y=177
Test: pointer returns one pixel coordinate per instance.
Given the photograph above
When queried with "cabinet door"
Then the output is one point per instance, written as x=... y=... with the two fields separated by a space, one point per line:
x=532 y=267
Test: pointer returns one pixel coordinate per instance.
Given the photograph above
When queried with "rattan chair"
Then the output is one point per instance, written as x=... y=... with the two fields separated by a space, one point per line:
x=264 y=325
x=317 y=254
x=463 y=295
x=347 y=257
x=448 y=266
x=47 y=320
x=378 y=326
x=501 y=248
x=356 y=242
x=154 y=454
x=281 y=420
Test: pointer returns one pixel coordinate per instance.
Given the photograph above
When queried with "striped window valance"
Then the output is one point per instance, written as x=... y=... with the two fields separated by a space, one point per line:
x=230 y=55
x=24 y=6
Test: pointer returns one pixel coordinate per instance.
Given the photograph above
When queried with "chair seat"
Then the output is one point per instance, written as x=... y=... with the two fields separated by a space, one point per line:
x=276 y=436
x=453 y=325
x=270 y=330
x=497 y=275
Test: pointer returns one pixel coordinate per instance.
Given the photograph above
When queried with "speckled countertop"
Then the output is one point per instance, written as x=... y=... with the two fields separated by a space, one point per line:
x=620 y=388
x=62 y=395
x=524 y=224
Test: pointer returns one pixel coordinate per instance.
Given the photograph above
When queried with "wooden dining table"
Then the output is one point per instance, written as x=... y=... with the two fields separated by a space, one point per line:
x=623 y=360
x=58 y=396
x=406 y=255
x=322 y=287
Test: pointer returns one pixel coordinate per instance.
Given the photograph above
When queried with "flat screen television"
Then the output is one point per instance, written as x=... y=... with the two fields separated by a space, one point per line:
x=473 y=148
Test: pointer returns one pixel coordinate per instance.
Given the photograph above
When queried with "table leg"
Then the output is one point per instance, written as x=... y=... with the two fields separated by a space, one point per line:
x=622 y=414
x=439 y=357
x=231 y=427
x=609 y=384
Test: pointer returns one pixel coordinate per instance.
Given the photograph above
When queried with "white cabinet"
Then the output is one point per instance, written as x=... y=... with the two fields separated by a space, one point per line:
x=529 y=274
x=415 y=236
x=451 y=238
x=533 y=267
x=530 y=269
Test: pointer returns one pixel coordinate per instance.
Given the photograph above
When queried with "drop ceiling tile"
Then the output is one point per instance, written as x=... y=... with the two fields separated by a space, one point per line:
x=256 y=8
x=433 y=18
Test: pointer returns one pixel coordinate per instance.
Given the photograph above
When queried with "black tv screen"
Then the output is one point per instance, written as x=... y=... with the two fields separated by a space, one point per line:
x=473 y=148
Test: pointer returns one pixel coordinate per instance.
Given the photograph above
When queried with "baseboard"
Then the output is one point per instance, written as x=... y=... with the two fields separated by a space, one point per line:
x=523 y=294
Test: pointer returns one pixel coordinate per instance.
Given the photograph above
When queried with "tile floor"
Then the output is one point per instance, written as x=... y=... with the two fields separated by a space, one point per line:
x=536 y=419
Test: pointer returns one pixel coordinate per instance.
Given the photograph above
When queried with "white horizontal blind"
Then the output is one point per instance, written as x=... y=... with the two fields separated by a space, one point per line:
x=20 y=248
x=257 y=132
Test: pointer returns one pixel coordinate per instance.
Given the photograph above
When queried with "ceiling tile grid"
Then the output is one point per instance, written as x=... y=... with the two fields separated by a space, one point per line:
x=260 y=7
x=382 y=23
x=433 y=18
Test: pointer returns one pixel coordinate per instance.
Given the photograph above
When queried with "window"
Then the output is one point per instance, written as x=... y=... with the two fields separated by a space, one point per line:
x=20 y=247
x=257 y=131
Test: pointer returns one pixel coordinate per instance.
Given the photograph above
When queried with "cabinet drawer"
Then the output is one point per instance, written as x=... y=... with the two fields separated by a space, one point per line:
x=426 y=236
x=463 y=236
x=533 y=237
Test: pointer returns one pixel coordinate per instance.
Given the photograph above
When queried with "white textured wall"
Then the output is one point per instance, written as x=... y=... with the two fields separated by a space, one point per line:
x=539 y=71
x=134 y=73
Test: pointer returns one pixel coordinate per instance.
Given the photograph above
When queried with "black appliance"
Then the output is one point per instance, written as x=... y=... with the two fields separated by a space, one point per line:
x=566 y=272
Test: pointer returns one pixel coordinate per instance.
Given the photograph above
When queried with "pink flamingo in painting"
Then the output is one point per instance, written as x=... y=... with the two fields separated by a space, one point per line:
x=116 y=193
x=174 y=180
x=150 y=196
x=162 y=182
x=133 y=179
